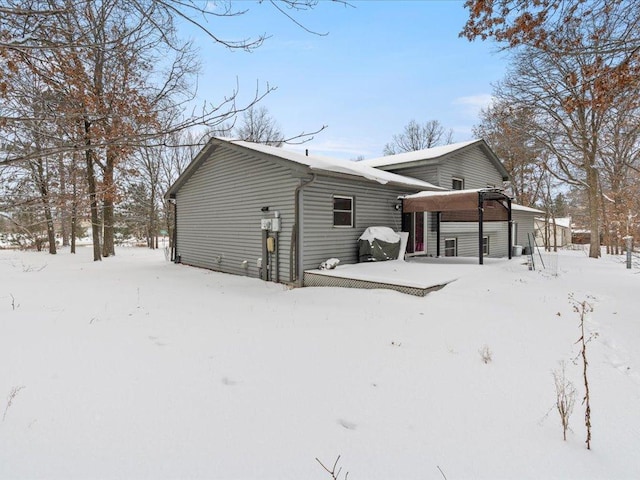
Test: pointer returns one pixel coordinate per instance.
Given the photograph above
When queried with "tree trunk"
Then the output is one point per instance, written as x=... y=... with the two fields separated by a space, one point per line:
x=594 y=210
x=93 y=195
x=606 y=227
x=63 y=203
x=153 y=244
x=43 y=189
x=108 y=247
x=74 y=207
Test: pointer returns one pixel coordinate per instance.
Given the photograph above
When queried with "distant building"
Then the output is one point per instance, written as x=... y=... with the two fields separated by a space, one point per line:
x=548 y=237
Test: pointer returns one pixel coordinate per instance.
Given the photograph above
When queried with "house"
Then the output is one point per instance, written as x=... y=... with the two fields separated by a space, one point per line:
x=266 y=212
x=467 y=166
x=553 y=233
x=263 y=211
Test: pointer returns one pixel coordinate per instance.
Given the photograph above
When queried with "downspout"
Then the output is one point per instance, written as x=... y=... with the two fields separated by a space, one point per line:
x=294 y=258
x=175 y=230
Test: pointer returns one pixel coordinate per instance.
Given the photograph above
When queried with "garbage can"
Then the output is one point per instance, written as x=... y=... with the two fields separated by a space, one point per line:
x=517 y=250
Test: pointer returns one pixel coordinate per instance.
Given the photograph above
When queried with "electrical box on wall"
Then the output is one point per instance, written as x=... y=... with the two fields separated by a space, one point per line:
x=275 y=225
x=265 y=223
x=271 y=244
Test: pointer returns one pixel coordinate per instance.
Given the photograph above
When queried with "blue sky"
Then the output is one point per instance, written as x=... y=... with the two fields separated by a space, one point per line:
x=382 y=64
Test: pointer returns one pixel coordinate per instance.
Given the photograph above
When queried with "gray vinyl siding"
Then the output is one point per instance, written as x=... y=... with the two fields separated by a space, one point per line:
x=525 y=222
x=470 y=165
x=477 y=171
x=373 y=205
x=219 y=212
x=426 y=173
x=467 y=235
x=473 y=167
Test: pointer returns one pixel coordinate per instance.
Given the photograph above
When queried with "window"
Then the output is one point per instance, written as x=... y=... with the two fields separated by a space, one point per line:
x=457 y=183
x=485 y=245
x=450 y=247
x=342 y=211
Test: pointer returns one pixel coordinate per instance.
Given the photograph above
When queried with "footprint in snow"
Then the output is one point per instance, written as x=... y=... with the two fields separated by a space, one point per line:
x=157 y=341
x=346 y=424
x=228 y=382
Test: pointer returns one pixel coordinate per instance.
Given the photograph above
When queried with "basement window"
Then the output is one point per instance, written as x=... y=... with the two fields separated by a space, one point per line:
x=450 y=247
x=342 y=211
x=485 y=245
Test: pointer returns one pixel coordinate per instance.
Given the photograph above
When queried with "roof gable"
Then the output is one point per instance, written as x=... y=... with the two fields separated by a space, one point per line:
x=435 y=155
x=329 y=166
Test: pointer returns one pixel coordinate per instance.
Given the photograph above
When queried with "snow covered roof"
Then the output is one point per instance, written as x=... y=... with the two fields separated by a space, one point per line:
x=313 y=162
x=335 y=165
x=426 y=154
x=408 y=159
x=564 y=222
x=448 y=192
x=522 y=208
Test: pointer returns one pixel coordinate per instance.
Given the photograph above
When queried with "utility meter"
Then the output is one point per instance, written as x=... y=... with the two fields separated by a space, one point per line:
x=265 y=223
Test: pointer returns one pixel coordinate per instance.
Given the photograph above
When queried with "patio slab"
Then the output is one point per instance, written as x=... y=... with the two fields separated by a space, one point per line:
x=418 y=276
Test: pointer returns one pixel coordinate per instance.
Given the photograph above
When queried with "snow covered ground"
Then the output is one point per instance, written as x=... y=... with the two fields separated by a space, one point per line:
x=136 y=368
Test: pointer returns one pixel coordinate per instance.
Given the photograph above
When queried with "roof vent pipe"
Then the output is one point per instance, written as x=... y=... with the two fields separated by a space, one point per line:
x=306 y=152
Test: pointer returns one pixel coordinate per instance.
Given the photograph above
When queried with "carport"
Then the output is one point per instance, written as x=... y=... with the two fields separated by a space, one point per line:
x=482 y=205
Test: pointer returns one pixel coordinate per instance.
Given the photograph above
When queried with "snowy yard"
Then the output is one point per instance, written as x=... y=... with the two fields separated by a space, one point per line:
x=136 y=368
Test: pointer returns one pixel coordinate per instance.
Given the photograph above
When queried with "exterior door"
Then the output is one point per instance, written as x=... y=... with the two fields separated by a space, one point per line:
x=415 y=224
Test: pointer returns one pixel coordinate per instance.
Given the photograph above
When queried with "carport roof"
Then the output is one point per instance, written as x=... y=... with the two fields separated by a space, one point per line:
x=450 y=201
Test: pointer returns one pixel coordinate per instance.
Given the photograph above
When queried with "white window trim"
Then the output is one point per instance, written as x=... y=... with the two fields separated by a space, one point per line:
x=461 y=180
x=455 y=240
x=333 y=211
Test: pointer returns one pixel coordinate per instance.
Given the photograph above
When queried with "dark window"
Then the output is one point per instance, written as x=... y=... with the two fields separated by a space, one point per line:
x=485 y=245
x=342 y=211
x=457 y=183
x=450 y=247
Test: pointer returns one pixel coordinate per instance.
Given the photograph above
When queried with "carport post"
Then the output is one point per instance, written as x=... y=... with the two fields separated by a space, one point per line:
x=438 y=218
x=480 y=232
x=510 y=227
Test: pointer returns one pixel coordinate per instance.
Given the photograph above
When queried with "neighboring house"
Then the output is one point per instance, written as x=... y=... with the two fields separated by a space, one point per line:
x=545 y=232
x=524 y=226
x=262 y=211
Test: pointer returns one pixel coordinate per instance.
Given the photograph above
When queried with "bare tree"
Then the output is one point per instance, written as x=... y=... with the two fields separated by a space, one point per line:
x=258 y=126
x=32 y=28
x=571 y=107
x=619 y=154
x=416 y=136
x=565 y=397
x=551 y=25
x=583 y=309
x=112 y=70
x=508 y=130
x=575 y=61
